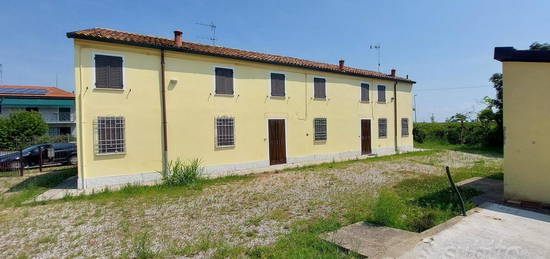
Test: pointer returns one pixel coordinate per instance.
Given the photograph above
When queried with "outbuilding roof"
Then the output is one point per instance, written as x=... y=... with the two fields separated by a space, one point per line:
x=511 y=54
x=34 y=91
x=114 y=36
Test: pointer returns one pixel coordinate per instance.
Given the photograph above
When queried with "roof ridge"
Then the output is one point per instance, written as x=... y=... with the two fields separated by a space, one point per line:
x=106 y=34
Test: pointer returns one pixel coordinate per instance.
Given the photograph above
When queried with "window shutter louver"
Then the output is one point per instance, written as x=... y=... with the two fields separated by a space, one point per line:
x=101 y=71
x=108 y=72
x=365 y=92
x=319 y=88
x=224 y=81
x=277 y=84
x=381 y=93
x=115 y=75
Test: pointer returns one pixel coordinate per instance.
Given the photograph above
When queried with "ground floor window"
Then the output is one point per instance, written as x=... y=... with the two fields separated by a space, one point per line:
x=382 y=128
x=404 y=127
x=320 y=127
x=110 y=135
x=225 y=131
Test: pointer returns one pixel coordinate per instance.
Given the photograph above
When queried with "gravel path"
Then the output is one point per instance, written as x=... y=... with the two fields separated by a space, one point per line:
x=247 y=213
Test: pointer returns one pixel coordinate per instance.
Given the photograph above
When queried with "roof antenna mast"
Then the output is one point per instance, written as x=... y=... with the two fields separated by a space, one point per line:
x=1 y=78
x=377 y=48
x=212 y=27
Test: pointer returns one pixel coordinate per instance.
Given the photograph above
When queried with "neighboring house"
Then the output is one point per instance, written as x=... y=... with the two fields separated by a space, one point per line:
x=526 y=75
x=144 y=101
x=56 y=106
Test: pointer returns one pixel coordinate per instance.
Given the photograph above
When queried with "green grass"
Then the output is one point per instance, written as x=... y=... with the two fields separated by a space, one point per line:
x=343 y=164
x=488 y=151
x=153 y=192
x=34 y=186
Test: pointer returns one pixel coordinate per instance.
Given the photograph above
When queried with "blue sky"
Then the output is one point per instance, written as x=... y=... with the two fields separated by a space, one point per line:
x=443 y=45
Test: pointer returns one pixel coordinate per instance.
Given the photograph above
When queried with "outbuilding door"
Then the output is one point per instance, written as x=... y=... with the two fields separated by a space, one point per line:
x=277 y=144
x=365 y=137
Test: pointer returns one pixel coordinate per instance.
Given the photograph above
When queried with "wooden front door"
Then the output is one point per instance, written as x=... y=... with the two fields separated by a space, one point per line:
x=277 y=146
x=365 y=137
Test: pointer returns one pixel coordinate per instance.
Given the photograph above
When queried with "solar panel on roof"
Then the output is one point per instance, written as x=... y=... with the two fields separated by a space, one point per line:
x=29 y=91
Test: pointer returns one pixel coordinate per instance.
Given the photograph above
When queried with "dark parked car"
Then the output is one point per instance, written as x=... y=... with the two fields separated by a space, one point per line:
x=56 y=153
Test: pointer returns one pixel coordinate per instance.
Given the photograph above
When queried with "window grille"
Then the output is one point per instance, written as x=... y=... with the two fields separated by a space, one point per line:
x=110 y=135
x=404 y=127
x=382 y=93
x=225 y=131
x=382 y=128
x=64 y=114
x=320 y=126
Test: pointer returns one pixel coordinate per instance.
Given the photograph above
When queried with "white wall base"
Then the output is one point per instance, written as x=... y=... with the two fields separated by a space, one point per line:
x=240 y=168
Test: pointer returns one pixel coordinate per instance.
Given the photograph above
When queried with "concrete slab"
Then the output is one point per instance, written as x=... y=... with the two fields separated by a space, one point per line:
x=492 y=189
x=372 y=240
x=490 y=231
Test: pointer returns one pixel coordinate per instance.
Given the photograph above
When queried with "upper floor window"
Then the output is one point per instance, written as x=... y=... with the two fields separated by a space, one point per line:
x=224 y=81
x=277 y=84
x=382 y=128
x=319 y=88
x=225 y=132
x=31 y=109
x=64 y=114
x=381 y=93
x=108 y=72
x=365 y=92
x=404 y=127
x=320 y=127
x=110 y=135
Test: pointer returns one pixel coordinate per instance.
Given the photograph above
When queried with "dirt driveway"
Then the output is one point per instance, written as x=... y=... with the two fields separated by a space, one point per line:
x=249 y=212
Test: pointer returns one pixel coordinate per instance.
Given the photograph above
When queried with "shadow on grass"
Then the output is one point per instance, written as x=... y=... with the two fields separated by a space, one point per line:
x=493 y=152
x=47 y=180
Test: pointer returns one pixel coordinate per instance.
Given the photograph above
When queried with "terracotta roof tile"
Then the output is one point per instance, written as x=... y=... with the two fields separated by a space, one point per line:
x=108 y=35
x=52 y=92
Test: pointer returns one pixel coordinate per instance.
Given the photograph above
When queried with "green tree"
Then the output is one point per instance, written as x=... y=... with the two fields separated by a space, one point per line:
x=539 y=46
x=460 y=117
x=20 y=128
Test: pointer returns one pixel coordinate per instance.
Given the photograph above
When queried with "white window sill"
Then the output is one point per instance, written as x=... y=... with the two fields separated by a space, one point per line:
x=225 y=95
x=110 y=89
x=111 y=154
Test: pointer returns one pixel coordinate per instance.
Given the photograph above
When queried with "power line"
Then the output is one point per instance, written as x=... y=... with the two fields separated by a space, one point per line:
x=451 y=88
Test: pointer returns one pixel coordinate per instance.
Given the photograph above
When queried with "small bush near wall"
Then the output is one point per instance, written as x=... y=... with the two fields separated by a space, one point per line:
x=467 y=133
x=182 y=173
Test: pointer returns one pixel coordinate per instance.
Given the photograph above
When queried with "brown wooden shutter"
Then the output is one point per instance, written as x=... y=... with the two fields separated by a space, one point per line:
x=224 y=81
x=365 y=92
x=115 y=73
x=382 y=93
x=277 y=84
x=319 y=88
x=108 y=72
x=101 y=71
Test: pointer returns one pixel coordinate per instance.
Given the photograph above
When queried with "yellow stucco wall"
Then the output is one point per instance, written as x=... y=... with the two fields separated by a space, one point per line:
x=527 y=131
x=192 y=108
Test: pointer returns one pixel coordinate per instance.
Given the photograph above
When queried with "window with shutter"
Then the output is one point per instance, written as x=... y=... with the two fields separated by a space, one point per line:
x=224 y=81
x=277 y=84
x=365 y=92
x=320 y=127
x=381 y=93
x=404 y=127
x=319 y=88
x=108 y=72
x=382 y=128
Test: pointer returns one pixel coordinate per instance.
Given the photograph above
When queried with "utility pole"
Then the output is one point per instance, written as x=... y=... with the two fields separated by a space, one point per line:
x=377 y=48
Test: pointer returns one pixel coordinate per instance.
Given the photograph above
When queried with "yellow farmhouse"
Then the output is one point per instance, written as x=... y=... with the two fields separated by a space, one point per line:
x=526 y=77
x=144 y=101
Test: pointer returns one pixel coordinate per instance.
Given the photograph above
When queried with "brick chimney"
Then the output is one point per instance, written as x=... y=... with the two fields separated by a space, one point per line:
x=178 y=37
x=393 y=72
x=341 y=64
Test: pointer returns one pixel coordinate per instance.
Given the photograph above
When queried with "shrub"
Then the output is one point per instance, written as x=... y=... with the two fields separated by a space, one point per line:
x=182 y=173
x=390 y=210
x=20 y=128
x=455 y=133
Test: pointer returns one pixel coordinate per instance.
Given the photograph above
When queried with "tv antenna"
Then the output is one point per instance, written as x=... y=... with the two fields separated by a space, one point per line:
x=377 y=48
x=212 y=27
x=1 y=78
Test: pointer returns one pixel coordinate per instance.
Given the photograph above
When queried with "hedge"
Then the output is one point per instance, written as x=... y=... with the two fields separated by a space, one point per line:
x=469 y=133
